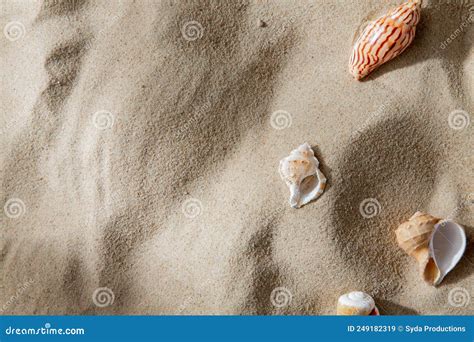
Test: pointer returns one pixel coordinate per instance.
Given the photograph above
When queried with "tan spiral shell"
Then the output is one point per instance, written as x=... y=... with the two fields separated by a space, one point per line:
x=413 y=236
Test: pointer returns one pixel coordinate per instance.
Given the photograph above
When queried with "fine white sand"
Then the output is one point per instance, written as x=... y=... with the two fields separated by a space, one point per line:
x=146 y=162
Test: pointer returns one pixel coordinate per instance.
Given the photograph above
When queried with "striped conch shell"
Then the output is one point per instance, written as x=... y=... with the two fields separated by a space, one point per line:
x=385 y=38
x=437 y=245
x=356 y=303
x=300 y=171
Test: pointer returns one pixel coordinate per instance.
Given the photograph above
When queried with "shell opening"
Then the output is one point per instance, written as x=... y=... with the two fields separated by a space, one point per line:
x=431 y=272
x=302 y=176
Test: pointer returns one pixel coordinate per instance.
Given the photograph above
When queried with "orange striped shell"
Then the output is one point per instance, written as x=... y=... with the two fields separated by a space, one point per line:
x=385 y=38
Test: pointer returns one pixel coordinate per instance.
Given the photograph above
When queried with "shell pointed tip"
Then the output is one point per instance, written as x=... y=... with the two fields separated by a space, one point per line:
x=357 y=76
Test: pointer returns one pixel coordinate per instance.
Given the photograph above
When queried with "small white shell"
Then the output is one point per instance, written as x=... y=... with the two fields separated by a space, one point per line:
x=356 y=303
x=447 y=246
x=302 y=176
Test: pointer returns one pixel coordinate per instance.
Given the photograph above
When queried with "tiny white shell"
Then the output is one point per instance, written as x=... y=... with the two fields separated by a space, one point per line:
x=356 y=303
x=302 y=176
x=447 y=246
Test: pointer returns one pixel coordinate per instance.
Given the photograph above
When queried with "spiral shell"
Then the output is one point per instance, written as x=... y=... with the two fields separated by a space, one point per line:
x=437 y=245
x=302 y=176
x=356 y=303
x=385 y=38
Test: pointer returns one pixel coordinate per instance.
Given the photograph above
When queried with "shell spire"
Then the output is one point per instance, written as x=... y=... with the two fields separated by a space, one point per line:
x=385 y=38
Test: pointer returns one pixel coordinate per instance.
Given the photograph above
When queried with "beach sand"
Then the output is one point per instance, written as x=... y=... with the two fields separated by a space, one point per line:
x=141 y=141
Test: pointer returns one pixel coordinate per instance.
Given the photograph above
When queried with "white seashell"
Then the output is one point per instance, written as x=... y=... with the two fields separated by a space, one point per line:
x=302 y=176
x=356 y=303
x=447 y=246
